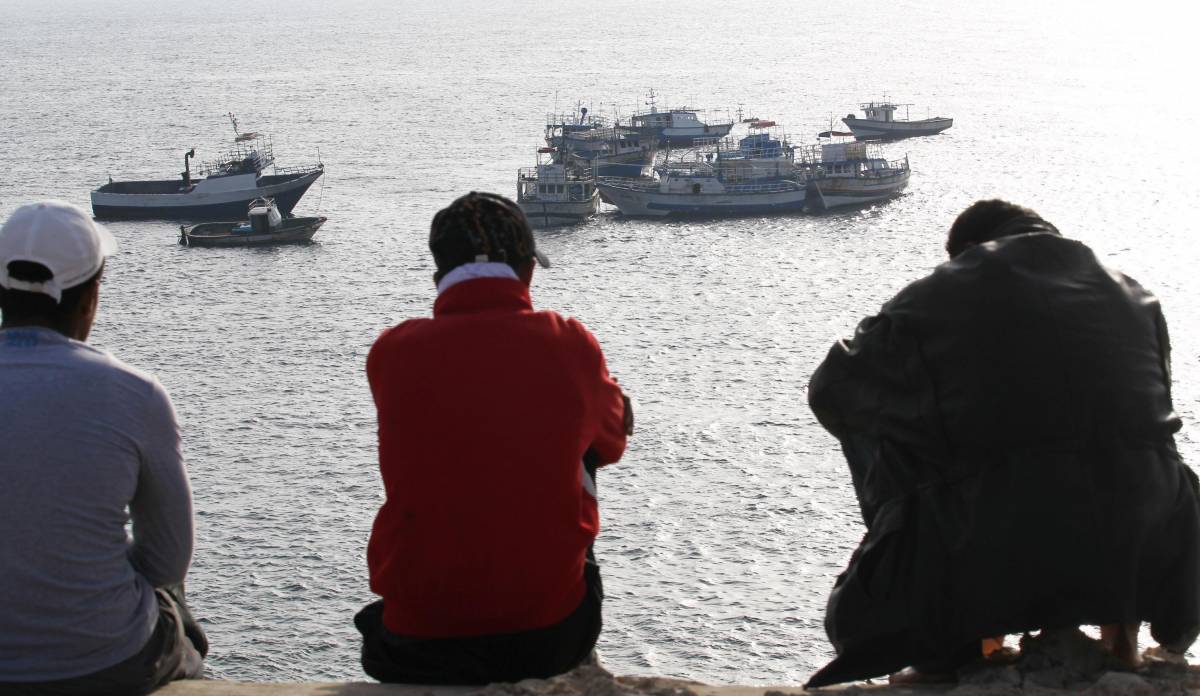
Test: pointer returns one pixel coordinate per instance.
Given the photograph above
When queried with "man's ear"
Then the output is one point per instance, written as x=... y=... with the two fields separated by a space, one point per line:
x=526 y=273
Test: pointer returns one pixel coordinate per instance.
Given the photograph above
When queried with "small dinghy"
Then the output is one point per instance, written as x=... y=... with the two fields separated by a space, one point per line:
x=264 y=226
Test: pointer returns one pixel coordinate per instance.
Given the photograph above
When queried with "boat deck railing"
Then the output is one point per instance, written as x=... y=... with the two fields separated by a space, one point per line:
x=740 y=187
x=534 y=197
x=776 y=186
x=570 y=176
x=575 y=120
x=258 y=152
x=629 y=183
x=528 y=193
x=304 y=169
x=602 y=134
x=890 y=168
x=851 y=151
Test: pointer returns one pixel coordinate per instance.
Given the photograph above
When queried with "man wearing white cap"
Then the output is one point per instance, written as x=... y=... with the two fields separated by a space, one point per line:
x=90 y=444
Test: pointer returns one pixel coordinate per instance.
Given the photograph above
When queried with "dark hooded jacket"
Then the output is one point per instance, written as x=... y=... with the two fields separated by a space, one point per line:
x=1008 y=425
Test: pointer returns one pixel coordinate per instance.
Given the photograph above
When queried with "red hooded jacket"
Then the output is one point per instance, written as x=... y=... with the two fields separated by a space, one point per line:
x=485 y=412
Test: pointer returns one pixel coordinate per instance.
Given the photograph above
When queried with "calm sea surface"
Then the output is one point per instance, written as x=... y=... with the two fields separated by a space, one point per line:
x=732 y=512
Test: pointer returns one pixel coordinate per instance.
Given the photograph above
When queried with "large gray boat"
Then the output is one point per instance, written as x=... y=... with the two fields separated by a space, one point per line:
x=220 y=189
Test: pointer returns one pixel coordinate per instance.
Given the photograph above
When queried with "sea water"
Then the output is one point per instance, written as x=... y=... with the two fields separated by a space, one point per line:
x=732 y=511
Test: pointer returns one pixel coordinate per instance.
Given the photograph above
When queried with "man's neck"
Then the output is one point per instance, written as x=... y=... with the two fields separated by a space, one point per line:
x=472 y=271
x=64 y=328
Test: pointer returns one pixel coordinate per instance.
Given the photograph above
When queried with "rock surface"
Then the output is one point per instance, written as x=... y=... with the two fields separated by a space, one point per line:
x=1061 y=663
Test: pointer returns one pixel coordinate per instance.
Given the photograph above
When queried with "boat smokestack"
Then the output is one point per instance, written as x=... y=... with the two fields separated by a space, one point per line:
x=187 y=170
x=582 y=115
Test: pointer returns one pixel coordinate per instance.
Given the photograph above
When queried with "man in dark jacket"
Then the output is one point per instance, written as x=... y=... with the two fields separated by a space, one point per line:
x=1008 y=425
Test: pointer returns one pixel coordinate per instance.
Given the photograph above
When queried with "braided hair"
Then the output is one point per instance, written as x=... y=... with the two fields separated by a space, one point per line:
x=480 y=227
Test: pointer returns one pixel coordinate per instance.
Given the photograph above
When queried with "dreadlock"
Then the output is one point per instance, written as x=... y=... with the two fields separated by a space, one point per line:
x=480 y=224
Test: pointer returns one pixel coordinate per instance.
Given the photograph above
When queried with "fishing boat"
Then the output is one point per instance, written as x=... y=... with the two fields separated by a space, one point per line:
x=754 y=175
x=563 y=126
x=851 y=173
x=220 y=189
x=588 y=142
x=880 y=123
x=616 y=151
x=765 y=152
x=680 y=127
x=552 y=194
x=264 y=225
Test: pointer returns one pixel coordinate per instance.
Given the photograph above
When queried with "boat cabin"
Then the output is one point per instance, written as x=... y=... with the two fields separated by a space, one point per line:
x=675 y=118
x=264 y=216
x=552 y=183
x=883 y=111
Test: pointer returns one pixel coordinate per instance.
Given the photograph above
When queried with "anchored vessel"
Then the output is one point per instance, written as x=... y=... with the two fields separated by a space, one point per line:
x=756 y=174
x=680 y=127
x=265 y=225
x=880 y=123
x=588 y=142
x=553 y=194
x=221 y=190
x=844 y=174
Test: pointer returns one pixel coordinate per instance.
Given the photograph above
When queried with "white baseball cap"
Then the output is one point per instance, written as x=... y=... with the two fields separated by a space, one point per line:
x=58 y=235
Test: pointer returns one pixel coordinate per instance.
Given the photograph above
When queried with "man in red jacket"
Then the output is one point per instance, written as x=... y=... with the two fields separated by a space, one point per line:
x=492 y=419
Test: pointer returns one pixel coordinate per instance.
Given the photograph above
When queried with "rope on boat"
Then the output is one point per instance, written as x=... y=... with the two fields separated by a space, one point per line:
x=321 y=193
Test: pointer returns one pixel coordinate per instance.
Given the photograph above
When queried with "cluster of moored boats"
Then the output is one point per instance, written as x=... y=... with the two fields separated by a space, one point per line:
x=659 y=163
x=670 y=162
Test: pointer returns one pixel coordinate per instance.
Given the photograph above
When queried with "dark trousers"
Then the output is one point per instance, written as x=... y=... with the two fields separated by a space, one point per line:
x=175 y=651
x=504 y=657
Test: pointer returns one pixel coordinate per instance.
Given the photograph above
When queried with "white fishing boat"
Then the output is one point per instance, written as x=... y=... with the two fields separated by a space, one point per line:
x=679 y=127
x=880 y=123
x=553 y=194
x=851 y=173
x=754 y=175
x=221 y=189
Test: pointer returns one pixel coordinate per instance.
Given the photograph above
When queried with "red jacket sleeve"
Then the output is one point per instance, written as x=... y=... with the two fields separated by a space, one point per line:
x=609 y=443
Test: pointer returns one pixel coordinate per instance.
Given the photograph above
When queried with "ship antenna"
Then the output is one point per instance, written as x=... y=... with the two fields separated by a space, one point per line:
x=321 y=193
x=233 y=120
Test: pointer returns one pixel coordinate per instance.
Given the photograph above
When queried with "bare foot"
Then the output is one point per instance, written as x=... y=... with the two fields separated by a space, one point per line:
x=910 y=676
x=1121 y=640
x=1157 y=653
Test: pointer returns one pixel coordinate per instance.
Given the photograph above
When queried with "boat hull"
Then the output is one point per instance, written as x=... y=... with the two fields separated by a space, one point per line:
x=558 y=213
x=829 y=193
x=670 y=136
x=642 y=203
x=221 y=234
x=867 y=129
x=198 y=205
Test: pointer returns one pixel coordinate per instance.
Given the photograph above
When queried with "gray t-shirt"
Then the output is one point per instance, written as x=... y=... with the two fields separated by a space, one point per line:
x=87 y=444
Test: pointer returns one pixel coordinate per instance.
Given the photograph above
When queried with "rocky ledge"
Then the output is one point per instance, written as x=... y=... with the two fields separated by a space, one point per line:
x=1068 y=663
